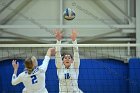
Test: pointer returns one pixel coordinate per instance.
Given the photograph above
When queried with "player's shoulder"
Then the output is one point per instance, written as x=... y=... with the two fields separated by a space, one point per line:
x=36 y=69
x=22 y=74
x=41 y=69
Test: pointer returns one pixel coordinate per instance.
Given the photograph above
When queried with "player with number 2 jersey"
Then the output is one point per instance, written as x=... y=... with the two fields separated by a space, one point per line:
x=33 y=77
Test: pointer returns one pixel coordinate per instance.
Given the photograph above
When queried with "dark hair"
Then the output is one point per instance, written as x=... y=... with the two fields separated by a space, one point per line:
x=63 y=55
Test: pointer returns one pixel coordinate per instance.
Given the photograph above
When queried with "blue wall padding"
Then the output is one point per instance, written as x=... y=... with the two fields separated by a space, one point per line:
x=95 y=76
x=6 y=71
x=134 y=75
x=103 y=76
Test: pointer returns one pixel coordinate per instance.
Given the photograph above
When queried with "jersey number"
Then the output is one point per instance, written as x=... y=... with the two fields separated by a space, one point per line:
x=67 y=76
x=34 y=79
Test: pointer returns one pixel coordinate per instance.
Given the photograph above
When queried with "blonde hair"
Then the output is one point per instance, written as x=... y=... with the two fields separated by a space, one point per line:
x=34 y=60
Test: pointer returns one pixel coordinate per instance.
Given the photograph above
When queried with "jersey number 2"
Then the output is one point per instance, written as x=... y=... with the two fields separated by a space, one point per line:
x=34 y=79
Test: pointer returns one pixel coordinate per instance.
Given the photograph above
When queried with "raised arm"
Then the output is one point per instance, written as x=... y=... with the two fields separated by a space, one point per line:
x=50 y=52
x=15 y=79
x=76 y=51
x=58 y=57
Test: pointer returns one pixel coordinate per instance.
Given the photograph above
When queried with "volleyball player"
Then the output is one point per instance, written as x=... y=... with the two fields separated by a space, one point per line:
x=33 y=77
x=35 y=63
x=67 y=66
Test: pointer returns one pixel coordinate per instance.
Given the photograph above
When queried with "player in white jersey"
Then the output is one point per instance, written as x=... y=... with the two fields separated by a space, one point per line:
x=33 y=77
x=67 y=66
x=35 y=63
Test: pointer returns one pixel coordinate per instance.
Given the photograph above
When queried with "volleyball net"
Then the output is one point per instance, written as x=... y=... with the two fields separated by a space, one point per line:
x=104 y=68
x=91 y=51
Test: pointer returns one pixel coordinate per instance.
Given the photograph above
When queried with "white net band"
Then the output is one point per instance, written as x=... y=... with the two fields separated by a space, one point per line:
x=70 y=45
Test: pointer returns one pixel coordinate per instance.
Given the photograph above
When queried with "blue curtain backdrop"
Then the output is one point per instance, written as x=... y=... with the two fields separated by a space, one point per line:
x=96 y=76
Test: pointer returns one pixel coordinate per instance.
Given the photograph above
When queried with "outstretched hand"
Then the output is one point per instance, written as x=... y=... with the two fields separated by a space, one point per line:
x=73 y=36
x=58 y=34
x=51 y=52
x=15 y=64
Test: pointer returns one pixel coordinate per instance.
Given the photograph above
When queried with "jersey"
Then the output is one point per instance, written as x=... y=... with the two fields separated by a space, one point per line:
x=34 y=82
x=68 y=78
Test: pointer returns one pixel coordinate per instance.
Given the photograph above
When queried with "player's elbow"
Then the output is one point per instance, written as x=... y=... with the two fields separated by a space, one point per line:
x=13 y=83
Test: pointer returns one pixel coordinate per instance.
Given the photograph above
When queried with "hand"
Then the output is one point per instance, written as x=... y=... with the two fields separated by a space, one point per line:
x=73 y=36
x=15 y=65
x=51 y=52
x=58 y=34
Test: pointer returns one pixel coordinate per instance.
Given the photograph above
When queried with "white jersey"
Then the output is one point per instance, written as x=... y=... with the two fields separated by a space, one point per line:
x=34 y=82
x=68 y=78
